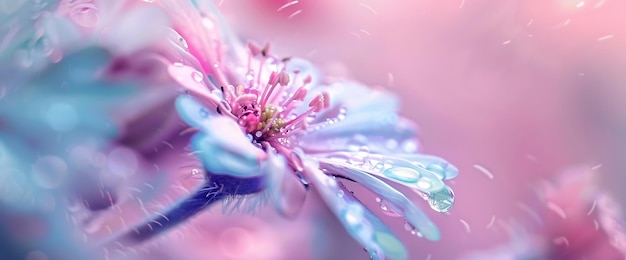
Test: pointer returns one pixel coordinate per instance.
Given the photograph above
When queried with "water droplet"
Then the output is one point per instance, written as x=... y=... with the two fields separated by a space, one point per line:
x=340 y=193
x=378 y=199
x=49 y=171
x=310 y=118
x=342 y=113
x=388 y=164
x=437 y=169
x=386 y=208
x=178 y=64
x=442 y=200
x=360 y=157
x=297 y=161
x=408 y=226
x=355 y=143
x=183 y=43
x=403 y=174
x=425 y=183
x=196 y=76
x=195 y=171
x=250 y=75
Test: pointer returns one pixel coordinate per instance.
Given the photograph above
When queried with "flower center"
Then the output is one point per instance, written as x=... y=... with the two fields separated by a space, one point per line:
x=264 y=106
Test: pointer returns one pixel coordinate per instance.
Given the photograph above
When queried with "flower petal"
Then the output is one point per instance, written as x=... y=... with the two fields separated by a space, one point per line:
x=399 y=203
x=223 y=149
x=361 y=224
x=286 y=191
x=389 y=167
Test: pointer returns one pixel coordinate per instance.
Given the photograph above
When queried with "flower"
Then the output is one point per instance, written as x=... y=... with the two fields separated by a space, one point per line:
x=272 y=125
x=267 y=128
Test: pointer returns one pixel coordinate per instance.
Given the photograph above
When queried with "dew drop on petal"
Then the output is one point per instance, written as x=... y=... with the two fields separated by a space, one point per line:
x=340 y=193
x=310 y=118
x=403 y=174
x=342 y=113
x=387 y=210
x=360 y=157
x=437 y=169
x=49 y=171
x=442 y=200
x=197 y=76
x=425 y=183
x=388 y=164
x=408 y=226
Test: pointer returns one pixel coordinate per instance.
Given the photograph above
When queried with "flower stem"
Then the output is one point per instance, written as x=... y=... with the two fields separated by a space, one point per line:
x=217 y=187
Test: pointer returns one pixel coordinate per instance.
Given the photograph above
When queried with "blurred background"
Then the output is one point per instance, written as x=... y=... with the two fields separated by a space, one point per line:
x=526 y=97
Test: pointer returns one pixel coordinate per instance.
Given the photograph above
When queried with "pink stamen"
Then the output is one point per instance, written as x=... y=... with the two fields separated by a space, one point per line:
x=254 y=48
x=299 y=118
x=271 y=84
x=283 y=78
x=320 y=102
x=298 y=96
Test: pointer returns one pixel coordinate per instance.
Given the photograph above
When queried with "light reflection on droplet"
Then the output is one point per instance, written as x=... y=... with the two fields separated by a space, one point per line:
x=403 y=174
